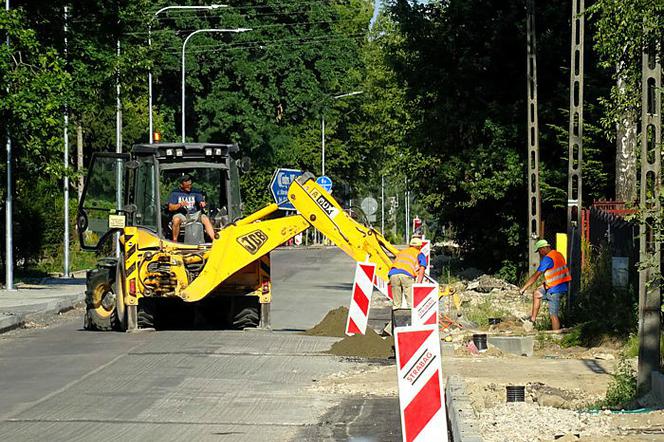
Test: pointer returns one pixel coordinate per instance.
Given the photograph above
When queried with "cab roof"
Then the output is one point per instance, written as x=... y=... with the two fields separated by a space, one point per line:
x=185 y=150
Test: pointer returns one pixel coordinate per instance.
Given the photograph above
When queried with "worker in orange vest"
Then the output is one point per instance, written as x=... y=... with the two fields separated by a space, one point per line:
x=407 y=267
x=556 y=282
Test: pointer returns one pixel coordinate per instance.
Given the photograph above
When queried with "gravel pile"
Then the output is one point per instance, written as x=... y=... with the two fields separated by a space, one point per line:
x=502 y=294
x=529 y=422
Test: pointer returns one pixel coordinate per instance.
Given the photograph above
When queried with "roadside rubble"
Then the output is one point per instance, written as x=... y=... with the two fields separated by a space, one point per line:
x=527 y=422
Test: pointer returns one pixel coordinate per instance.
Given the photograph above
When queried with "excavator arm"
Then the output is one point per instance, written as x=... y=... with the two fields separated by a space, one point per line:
x=254 y=236
x=322 y=211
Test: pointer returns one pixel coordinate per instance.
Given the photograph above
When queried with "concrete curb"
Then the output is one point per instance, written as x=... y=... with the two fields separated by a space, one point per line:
x=460 y=412
x=10 y=321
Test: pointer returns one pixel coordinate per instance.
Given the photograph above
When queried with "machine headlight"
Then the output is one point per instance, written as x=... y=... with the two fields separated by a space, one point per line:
x=208 y=151
x=169 y=152
x=179 y=152
x=217 y=151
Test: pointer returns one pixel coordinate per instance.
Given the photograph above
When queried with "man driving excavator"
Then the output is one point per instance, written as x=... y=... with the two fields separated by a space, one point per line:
x=184 y=204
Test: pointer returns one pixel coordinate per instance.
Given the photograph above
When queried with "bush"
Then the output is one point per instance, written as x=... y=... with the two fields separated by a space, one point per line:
x=508 y=271
x=618 y=308
x=622 y=388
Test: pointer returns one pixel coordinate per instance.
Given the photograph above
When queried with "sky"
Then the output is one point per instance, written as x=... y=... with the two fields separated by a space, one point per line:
x=375 y=14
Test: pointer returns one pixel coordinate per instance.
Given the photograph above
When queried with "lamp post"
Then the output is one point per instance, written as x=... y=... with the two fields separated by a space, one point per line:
x=154 y=16
x=9 y=235
x=184 y=47
x=322 y=128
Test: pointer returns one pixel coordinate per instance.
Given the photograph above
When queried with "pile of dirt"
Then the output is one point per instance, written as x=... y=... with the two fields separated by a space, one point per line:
x=370 y=345
x=333 y=324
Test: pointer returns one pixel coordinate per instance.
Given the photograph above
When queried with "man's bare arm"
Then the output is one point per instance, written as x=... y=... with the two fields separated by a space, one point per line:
x=531 y=281
x=420 y=275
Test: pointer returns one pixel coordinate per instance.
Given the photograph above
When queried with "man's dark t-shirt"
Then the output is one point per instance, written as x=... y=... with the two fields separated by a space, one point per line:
x=190 y=200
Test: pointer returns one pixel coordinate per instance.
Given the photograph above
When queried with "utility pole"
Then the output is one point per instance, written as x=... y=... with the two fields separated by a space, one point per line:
x=406 y=198
x=649 y=242
x=322 y=144
x=9 y=234
x=79 y=160
x=534 y=204
x=382 y=205
x=575 y=150
x=118 y=144
x=65 y=270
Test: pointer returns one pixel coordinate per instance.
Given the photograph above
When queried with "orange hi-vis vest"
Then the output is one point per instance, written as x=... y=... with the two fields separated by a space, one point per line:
x=407 y=260
x=559 y=273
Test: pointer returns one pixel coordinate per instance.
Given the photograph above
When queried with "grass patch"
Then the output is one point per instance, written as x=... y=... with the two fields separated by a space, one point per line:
x=631 y=348
x=572 y=338
x=78 y=260
x=53 y=264
x=480 y=313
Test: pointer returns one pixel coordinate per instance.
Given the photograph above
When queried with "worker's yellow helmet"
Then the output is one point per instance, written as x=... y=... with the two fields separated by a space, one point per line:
x=541 y=243
x=416 y=242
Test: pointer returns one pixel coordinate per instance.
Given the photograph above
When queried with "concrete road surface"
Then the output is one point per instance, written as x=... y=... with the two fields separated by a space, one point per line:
x=61 y=383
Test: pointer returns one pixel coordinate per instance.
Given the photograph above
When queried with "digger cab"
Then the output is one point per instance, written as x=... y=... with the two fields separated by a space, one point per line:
x=134 y=189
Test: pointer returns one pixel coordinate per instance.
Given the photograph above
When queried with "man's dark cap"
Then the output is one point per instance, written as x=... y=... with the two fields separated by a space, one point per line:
x=185 y=177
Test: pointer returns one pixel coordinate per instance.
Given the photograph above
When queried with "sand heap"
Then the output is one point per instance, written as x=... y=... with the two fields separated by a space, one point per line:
x=370 y=345
x=333 y=324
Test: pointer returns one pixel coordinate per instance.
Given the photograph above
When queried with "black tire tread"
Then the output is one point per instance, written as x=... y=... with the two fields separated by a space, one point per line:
x=247 y=317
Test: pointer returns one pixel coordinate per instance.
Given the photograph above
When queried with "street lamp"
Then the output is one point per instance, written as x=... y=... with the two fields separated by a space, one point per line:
x=164 y=9
x=184 y=46
x=322 y=128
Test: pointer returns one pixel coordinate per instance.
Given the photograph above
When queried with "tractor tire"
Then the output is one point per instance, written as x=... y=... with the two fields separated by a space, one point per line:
x=246 y=313
x=100 y=300
x=146 y=313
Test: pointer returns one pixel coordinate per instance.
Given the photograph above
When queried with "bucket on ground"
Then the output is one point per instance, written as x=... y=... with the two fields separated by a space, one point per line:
x=480 y=342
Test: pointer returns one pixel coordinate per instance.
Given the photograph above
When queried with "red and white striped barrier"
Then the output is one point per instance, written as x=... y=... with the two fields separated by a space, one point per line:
x=358 y=312
x=425 y=304
x=384 y=287
x=423 y=416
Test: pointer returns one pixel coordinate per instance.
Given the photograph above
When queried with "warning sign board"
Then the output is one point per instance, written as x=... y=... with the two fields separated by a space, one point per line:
x=425 y=304
x=423 y=416
x=383 y=287
x=426 y=250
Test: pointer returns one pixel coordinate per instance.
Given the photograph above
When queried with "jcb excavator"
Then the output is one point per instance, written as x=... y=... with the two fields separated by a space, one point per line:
x=155 y=281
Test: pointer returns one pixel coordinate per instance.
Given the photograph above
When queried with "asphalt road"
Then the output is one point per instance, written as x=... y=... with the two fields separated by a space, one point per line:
x=62 y=383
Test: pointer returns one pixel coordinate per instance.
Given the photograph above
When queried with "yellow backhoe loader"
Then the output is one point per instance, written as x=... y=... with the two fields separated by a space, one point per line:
x=151 y=280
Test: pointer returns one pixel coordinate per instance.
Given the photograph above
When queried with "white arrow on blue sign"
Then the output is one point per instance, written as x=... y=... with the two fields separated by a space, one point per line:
x=325 y=182
x=281 y=181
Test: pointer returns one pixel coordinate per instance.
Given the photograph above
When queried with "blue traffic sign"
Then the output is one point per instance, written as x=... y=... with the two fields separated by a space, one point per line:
x=281 y=181
x=325 y=182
